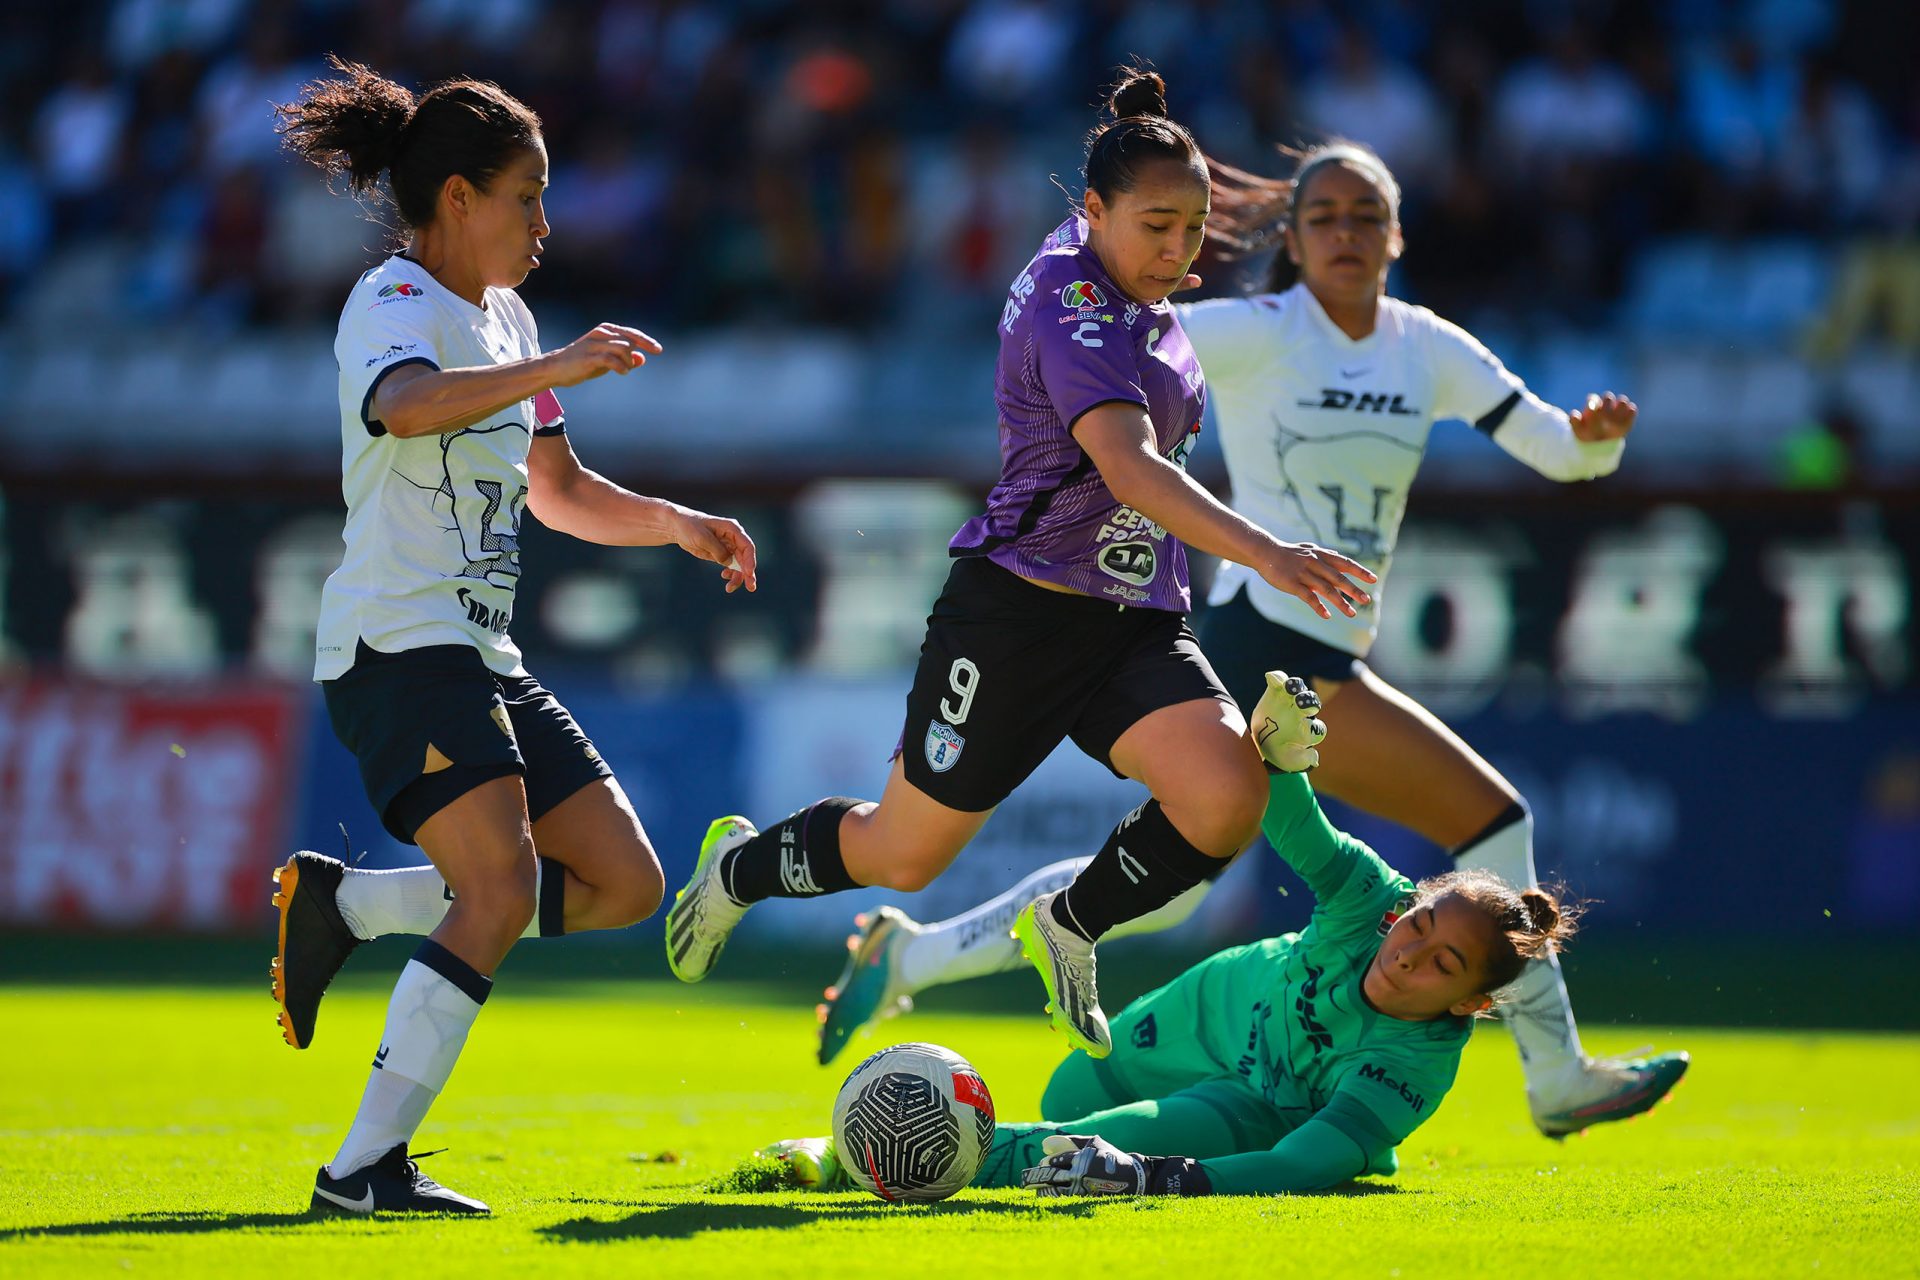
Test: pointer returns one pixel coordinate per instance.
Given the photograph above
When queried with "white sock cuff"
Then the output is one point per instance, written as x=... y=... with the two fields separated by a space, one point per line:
x=1506 y=849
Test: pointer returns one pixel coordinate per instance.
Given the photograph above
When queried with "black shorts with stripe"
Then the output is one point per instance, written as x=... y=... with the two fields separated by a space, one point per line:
x=1245 y=644
x=1008 y=669
x=403 y=714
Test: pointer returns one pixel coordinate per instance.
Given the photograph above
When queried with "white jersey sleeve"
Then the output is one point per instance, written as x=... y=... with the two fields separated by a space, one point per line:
x=1470 y=383
x=1230 y=335
x=400 y=329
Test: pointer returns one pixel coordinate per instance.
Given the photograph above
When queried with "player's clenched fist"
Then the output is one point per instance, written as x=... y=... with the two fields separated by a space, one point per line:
x=605 y=348
x=1286 y=724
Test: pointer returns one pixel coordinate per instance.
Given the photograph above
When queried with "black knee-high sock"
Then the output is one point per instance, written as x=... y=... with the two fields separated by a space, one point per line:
x=553 y=899
x=797 y=857
x=1144 y=864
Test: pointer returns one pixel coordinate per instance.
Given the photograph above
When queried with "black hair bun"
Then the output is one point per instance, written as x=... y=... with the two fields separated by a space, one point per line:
x=1139 y=93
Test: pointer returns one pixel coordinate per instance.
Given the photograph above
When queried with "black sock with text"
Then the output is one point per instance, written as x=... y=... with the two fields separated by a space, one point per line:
x=797 y=857
x=1146 y=863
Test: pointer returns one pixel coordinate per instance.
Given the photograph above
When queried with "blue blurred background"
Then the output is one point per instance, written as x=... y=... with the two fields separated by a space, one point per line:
x=1700 y=670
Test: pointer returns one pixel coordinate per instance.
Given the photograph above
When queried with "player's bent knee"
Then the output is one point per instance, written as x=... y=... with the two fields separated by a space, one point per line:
x=641 y=890
x=505 y=903
x=910 y=875
x=1221 y=815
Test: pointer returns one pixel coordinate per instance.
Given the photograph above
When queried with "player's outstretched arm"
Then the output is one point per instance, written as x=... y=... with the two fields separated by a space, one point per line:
x=422 y=401
x=567 y=497
x=1118 y=437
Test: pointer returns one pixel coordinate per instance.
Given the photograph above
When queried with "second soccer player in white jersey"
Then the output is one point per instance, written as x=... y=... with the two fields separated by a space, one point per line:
x=1325 y=391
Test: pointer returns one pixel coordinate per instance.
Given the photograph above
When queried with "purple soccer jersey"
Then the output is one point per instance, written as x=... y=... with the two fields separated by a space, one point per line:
x=1070 y=340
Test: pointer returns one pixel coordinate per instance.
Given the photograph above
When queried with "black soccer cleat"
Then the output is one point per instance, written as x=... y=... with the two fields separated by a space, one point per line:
x=314 y=940
x=391 y=1184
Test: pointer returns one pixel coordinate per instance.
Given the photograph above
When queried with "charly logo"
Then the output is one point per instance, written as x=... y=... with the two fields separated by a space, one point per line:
x=943 y=747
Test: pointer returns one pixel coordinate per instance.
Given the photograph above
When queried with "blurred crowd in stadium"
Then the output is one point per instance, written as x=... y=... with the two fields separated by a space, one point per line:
x=860 y=162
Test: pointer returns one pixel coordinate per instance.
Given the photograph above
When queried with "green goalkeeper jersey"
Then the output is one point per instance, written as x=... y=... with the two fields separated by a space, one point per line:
x=1317 y=1085
x=1313 y=1047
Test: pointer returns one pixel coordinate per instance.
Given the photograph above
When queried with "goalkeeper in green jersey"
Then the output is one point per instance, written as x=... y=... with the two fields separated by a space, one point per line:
x=1291 y=1064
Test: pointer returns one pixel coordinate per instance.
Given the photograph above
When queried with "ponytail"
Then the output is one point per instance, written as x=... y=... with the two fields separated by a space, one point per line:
x=1528 y=924
x=364 y=125
x=1251 y=213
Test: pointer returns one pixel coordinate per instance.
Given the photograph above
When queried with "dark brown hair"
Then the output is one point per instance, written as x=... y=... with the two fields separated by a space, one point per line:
x=1527 y=923
x=1135 y=133
x=1249 y=211
x=364 y=125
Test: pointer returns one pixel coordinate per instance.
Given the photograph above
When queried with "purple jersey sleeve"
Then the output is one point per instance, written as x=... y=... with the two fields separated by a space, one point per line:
x=1084 y=358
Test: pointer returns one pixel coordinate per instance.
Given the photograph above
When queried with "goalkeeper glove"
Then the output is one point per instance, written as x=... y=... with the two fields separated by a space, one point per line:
x=1080 y=1166
x=1286 y=724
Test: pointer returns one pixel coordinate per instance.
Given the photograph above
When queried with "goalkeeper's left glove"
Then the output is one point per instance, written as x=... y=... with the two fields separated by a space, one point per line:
x=1286 y=724
x=1080 y=1166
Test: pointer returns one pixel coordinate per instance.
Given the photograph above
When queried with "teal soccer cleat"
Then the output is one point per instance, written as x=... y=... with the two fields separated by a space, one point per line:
x=870 y=988
x=1618 y=1089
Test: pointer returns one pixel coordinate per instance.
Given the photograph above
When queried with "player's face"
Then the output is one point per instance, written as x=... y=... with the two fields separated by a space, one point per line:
x=1148 y=237
x=510 y=219
x=1344 y=235
x=1433 y=961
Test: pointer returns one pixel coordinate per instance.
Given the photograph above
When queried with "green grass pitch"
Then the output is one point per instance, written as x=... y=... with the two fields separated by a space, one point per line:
x=167 y=1131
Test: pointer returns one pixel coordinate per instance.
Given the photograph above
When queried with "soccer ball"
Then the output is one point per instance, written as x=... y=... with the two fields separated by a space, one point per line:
x=913 y=1123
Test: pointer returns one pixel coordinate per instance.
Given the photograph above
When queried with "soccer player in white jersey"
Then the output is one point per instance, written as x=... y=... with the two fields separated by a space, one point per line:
x=1325 y=391
x=450 y=429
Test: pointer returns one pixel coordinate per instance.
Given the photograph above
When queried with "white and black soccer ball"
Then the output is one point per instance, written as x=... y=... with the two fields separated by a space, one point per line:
x=913 y=1122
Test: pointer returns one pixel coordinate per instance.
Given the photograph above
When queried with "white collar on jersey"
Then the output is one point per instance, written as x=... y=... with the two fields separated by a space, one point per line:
x=1333 y=331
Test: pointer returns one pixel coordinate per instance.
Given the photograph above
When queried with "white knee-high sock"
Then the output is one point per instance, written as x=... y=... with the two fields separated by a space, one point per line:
x=413 y=900
x=1538 y=1009
x=979 y=942
x=433 y=1007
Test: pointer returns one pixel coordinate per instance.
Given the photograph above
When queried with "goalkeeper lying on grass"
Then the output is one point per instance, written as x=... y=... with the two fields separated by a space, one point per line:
x=1292 y=1064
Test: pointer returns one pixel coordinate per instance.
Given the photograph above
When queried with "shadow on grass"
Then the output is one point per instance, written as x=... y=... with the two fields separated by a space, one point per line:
x=164 y=1223
x=682 y=1221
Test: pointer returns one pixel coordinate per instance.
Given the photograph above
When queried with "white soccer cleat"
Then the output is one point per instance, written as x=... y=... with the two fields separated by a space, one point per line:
x=704 y=913
x=1065 y=962
x=1600 y=1090
x=1286 y=724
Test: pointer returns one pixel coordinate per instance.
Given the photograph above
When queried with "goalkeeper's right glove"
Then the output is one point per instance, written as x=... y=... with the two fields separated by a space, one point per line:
x=1084 y=1166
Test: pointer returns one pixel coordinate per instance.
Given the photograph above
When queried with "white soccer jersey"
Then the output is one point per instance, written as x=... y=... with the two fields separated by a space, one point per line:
x=433 y=522
x=1323 y=433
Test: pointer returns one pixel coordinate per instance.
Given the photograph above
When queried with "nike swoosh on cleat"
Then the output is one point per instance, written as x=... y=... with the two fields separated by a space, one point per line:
x=363 y=1205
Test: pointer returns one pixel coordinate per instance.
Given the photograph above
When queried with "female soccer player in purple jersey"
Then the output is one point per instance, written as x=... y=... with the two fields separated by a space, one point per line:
x=1065 y=612
x=1325 y=390
x=449 y=430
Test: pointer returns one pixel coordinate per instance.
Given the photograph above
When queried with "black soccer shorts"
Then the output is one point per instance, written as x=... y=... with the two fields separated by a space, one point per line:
x=1008 y=669
x=389 y=708
x=1245 y=644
